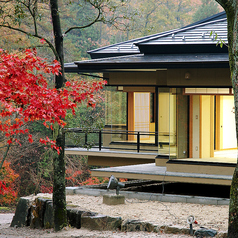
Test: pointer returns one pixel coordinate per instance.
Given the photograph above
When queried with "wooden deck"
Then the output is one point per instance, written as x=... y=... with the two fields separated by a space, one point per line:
x=153 y=172
x=132 y=165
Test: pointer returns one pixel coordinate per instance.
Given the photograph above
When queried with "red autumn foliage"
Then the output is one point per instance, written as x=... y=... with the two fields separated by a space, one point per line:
x=25 y=95
x=77 y=178
x=45 y=189
x=8 y=191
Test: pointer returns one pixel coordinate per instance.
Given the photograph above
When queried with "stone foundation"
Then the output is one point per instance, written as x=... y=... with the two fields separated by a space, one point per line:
x=38 y=213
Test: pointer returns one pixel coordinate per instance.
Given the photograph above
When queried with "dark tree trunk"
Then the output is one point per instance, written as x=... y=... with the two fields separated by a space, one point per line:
x=233 y=207
x=59 y=197
x=58 y=37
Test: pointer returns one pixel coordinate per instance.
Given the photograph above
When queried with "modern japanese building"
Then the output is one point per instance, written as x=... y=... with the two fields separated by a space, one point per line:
x=169 y=106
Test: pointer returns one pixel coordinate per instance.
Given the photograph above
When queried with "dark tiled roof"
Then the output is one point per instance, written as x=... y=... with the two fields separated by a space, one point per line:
x=196 y=32
x=191 y=46
x=198 y=38
x=122 y=48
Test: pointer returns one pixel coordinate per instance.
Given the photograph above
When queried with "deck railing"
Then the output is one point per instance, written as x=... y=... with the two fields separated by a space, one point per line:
x=98 y=135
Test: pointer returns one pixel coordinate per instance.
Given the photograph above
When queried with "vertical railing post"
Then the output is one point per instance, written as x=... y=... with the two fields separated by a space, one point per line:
x=138 y=141
x=156 y=116
x=86 y=138
x=100 y=140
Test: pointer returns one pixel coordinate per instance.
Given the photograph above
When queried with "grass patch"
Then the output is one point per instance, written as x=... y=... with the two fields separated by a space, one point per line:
x=7 y=209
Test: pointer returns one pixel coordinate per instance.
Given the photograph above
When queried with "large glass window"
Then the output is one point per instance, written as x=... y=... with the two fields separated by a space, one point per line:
x=158 y=121
x=115 y=112
x=115 y=107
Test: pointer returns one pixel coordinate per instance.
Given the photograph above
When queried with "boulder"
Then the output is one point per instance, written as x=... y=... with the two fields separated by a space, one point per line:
x=176 y=230
x=136 y=225
x=22 y=213
x=48 y=215
x=95 y=221
x=74 y=217
x=37 y=213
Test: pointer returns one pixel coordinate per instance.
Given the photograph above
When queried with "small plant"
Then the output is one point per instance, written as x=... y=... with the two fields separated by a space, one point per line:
x=8 y=190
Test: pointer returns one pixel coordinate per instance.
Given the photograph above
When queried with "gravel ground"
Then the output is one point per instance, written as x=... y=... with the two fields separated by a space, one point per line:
x=8 y=232
x=210 y=216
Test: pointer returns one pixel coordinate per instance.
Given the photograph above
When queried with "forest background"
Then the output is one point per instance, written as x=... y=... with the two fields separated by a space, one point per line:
x=28 y=168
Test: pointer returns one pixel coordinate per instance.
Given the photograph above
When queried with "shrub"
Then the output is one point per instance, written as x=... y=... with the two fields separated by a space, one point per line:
x=8 y=189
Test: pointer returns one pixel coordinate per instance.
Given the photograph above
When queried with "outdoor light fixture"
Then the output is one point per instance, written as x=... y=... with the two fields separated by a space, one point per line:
x=114 y=184
x=187 y=76
x=190 y=221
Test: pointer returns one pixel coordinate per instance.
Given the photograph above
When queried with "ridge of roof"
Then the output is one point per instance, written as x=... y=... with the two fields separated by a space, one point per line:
x=128 y=41
x=217 y=16
x=182 y=30
x=153 y=36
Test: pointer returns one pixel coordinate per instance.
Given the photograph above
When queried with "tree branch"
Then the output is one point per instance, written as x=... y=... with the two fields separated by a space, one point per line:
x=35 y=35
x=5 y=156
x=85 y=26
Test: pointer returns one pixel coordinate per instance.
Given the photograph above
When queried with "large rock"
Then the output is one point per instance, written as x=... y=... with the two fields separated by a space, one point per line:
x=22 y=214
x=74 y=217
x=222 y=234
x=136 y=225
x=37 y=213
x=176 y=230
x=95 y=221
x=48 y=216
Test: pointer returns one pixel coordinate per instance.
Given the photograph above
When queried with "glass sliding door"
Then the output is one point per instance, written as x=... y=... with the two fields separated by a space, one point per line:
x=166 y=122
x=142 y=114
x=172 y=123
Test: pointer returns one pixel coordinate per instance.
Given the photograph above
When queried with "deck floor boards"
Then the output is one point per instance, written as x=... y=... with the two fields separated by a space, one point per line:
x=153 y=170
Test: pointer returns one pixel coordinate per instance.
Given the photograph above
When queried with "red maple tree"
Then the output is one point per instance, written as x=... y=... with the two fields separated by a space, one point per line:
x=25 y=95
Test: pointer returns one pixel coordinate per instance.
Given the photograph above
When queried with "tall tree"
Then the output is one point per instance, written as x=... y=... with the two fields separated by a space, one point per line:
x=25 y=97
x=25 y=16
x=231 y=8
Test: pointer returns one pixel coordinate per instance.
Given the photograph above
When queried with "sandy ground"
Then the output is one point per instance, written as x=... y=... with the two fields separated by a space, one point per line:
x=210 y=216
x=6 y=232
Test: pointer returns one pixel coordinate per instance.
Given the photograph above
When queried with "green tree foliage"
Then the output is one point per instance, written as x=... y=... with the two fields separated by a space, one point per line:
x=138 y=18
x=153 y=16
x=206 y=9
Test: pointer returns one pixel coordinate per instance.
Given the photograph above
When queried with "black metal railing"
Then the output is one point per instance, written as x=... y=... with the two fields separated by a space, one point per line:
x=97 y=141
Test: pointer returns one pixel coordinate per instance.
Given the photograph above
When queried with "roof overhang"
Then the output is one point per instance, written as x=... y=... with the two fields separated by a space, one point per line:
x=153 y=62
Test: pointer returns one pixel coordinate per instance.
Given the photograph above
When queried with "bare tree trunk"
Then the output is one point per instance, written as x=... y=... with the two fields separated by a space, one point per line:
x=59 y=197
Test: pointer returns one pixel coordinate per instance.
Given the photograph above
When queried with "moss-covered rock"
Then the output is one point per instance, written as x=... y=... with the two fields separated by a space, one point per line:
x=22 y=214
x=100 y=222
